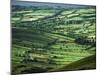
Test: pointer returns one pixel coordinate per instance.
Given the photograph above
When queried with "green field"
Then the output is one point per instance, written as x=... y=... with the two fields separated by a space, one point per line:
x=46 y=39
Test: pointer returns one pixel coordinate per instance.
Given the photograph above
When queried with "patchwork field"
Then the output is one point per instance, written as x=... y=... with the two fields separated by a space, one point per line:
x=46 y=39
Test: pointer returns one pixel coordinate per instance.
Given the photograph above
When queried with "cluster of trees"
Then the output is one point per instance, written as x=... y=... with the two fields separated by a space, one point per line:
x=85 y=41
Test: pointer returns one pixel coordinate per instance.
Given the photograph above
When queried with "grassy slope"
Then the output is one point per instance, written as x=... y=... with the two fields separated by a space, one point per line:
x=61 y=51
x=85 y=63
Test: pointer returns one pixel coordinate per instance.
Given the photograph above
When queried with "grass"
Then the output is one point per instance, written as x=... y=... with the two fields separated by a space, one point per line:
x=48 y=44
x=82 y=64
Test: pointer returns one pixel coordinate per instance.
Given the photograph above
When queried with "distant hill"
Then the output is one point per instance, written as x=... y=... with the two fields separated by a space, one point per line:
x=44 y=4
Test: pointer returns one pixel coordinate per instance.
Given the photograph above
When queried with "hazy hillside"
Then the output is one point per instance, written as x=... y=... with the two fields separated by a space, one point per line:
x=44 y=4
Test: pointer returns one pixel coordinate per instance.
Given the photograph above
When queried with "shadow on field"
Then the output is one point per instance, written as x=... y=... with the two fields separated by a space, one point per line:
x=83 y=64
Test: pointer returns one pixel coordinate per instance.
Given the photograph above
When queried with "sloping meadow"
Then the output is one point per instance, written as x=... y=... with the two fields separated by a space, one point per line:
x=50 y=37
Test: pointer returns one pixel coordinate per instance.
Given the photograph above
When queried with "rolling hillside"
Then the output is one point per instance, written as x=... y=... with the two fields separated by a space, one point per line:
x=83 y=64
x=47 y=39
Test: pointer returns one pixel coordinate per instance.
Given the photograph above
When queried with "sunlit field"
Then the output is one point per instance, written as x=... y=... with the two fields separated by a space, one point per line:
x=52 y=37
